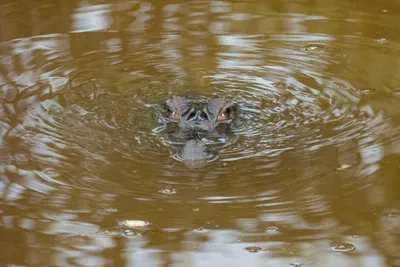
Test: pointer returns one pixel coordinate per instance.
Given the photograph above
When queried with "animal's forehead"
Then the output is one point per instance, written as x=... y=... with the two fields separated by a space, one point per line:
x=198 y=104
x=184 y=103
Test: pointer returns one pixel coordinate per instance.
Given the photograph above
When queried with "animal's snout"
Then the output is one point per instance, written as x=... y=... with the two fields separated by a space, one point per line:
x=197 y=116
x=193 y=115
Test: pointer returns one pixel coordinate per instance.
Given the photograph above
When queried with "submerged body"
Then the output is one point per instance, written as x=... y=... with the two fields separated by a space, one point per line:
x=195 y=120
x=194 y=154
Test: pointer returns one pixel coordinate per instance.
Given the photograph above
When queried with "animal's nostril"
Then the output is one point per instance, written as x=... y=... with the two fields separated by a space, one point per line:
x=192 y=115
x=203 y=115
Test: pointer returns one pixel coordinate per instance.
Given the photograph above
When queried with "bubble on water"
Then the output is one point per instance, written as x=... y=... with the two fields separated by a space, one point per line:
x=272 y=230
x=343 y=247
x=199 y=229
x=382 y=40
x=356 y=236
x=168 y=191
x=253 y=249
x=196 y=209
x=296 y=265
x=313 y=48
x=133 y=223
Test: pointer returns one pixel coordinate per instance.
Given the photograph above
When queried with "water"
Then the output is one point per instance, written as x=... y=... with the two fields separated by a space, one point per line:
x=307 y=176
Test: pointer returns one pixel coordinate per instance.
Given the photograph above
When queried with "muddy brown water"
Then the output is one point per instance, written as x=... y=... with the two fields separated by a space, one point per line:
x=308 y=176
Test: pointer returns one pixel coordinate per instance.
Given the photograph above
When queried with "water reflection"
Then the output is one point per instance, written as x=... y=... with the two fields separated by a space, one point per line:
x=308 y=179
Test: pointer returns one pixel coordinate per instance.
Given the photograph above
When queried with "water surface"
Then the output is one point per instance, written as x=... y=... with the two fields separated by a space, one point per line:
x=307 y=176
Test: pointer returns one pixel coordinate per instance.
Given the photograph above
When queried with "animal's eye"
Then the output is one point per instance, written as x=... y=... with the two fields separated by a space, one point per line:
x=173 y=114
x=225 y=114
x=170 y=112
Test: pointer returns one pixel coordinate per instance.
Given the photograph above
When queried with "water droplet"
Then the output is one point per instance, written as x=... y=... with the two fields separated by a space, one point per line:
x=313 y=48
x=253 y=249
x=343 y=247
x=168 y=191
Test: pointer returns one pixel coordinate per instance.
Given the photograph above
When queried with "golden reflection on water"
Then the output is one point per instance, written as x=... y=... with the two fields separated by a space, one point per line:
x=307 y=177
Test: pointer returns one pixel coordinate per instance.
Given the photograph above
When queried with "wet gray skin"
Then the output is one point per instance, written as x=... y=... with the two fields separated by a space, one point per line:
x=195 y=121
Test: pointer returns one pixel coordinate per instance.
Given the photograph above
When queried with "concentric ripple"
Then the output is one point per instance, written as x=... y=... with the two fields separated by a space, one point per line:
x=309 y=167
x=103 y=126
